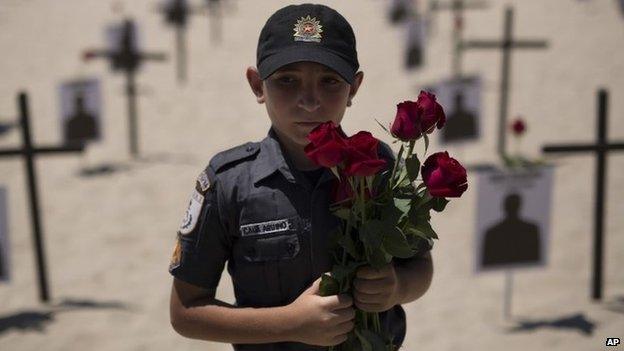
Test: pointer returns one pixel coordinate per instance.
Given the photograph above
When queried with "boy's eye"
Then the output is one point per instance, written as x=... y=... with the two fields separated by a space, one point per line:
x=286 y=79
x=331 y=81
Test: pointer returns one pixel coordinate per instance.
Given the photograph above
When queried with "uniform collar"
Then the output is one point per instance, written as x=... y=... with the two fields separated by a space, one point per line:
x=272 y=158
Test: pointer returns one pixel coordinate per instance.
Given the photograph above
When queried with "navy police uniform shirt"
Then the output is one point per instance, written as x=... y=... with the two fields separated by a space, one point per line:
x=252 y=209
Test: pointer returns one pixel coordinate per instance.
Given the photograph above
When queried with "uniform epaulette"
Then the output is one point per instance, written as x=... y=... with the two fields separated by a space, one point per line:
x=235 y=154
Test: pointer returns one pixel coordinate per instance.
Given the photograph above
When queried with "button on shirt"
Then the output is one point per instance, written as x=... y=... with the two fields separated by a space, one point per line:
x=271 y=225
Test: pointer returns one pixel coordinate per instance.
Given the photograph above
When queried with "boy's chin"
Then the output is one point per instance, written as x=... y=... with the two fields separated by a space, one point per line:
x=301 y=141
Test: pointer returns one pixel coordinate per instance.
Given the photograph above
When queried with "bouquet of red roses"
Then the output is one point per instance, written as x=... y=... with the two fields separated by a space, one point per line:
x=384 y=206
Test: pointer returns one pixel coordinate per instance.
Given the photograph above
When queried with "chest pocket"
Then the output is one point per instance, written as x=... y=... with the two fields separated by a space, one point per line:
x=272 y=252
x=271 y=266
x=275 y=248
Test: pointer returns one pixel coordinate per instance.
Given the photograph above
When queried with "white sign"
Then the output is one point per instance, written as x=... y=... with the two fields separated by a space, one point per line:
x=513 y=218
x=416 y=33
x=80 y=102
x=4 y=237
x=461 y=99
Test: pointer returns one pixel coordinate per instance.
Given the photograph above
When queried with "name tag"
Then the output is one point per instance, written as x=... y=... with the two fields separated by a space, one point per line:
x=280 y=225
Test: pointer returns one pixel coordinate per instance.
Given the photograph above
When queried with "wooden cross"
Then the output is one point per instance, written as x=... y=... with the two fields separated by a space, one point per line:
x=458 y=7
x=176 y=14
x=600 y=148
x=28 y=152
x=214 y=8
x=126 y=58
x=506 y=46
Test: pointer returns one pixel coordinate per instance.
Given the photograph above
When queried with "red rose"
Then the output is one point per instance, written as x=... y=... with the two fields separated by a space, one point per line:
x=327 y=146
x=362 y=158
x=88 y=55
x=518 y=127
x=444 y=176
x=405 y=125
x=432 y=112
x=414 y=118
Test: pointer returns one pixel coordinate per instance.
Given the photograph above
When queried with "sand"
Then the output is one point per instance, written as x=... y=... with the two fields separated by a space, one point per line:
x=109 y=237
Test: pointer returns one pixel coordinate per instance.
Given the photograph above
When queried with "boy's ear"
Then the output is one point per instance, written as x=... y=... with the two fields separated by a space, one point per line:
x=255 y=83
x=355 y=86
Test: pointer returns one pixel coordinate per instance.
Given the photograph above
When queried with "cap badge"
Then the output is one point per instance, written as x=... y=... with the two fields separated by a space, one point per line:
x=308 y=29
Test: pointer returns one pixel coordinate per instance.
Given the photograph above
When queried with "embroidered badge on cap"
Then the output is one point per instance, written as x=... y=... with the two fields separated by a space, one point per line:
x=192 y=213
x=308 y=29
x=203 y=181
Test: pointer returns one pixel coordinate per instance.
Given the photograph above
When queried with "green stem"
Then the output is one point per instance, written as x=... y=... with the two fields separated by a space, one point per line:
x=394 y=169
x=411 y=148
x=376 y=323
x=343 y=281
x=363 y=201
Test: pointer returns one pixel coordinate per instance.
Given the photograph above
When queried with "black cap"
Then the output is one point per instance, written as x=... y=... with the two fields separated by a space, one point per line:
x=307 y=32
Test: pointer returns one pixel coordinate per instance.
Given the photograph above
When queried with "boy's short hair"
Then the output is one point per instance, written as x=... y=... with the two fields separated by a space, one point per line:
x=307 y=32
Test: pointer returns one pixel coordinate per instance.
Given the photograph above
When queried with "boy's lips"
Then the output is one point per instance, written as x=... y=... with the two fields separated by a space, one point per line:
x=308 y=124
x=311 y=122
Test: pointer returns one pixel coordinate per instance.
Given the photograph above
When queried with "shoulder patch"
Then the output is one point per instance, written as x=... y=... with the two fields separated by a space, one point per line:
x=233 y=155
x=192 y=213
x=203 y=182
x=176 y=256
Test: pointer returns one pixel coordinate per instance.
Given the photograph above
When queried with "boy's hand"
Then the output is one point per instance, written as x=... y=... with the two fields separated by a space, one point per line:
x=376 y=290
x=321 y=320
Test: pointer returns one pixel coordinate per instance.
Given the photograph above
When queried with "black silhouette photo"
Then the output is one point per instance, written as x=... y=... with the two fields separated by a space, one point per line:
x=415 y=45
x=461 y=99
x=513 y=218
x=512 y=240
x=461 y=124
x=80 y=111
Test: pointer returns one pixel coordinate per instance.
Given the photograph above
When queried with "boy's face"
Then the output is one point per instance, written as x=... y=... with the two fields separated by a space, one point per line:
x=302 y=95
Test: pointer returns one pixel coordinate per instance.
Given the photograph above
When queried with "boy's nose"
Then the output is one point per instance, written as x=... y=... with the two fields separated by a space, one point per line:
x=309 y=99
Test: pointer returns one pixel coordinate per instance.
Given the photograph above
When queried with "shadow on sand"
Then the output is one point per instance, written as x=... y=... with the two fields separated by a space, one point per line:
x=38 y=320
x=107 y=169
x=576 y=322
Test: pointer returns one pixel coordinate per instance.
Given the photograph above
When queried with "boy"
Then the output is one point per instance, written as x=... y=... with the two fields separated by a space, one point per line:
x=264 y=208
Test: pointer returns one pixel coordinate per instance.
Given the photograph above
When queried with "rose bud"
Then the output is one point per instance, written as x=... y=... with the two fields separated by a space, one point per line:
x=432 y=114
x=444 y=176
x=88 y=55
x=518 y=127
x=405 y=126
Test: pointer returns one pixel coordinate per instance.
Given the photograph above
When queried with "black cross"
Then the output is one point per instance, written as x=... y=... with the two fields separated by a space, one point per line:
x=28 y=151
x=127 y=59
x=458 y=7
x=600 y=148
x=176 y=14
x=214 y=14
x=506 y=45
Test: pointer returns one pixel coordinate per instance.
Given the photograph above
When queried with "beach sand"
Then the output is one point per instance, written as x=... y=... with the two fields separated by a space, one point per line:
x=109 y=237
